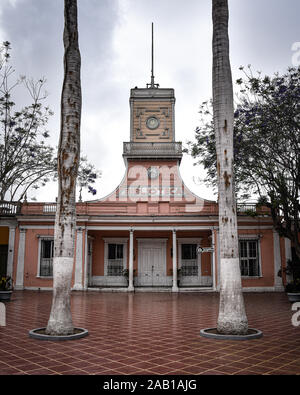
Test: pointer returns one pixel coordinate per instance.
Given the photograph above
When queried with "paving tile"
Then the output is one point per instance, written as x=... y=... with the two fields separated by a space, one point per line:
x=230 y=358
x=143 y=365
x=177 y=365
x=240 y=365
x=62 y=368
x=212 y=372
x=291 y=369
x=283 y=372
x=228 y=369
x=211 y=365
x=41 y=371
x=160 y=370
x=21 y=373
x=159 y=361
x=123 y=341
x=128 y=370
x=74 y=372
x=176 y=357
x=195 y=369
x=178 y=373
x=81 y=364
x=9 y=370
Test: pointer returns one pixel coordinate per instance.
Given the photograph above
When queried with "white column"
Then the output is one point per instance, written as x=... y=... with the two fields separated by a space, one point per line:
x=288 y=255
x=175 y=286
x=130 y=275
x=277 y=262
x=11 y=248
x=2 y=314
x=86 y=261
x=288 y=249
x=213 y=268
x=218 y=262
x=21 y=260
x=78 y=263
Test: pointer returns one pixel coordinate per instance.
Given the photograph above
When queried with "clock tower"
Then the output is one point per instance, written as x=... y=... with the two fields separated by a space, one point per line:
x=152 y=123
x=152 y=115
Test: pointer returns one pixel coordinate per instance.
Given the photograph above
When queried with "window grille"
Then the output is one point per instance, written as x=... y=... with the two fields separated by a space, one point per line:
x=115 y=268
x=189 y=263
x=46 y=260
x=115 y=260
x=249 y=258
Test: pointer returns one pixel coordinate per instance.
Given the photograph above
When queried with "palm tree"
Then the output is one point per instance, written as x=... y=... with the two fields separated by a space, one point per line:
x=232 y=316
x=60 y=321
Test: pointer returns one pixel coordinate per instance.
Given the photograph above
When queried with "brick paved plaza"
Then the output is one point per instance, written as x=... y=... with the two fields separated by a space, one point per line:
x=148 y=334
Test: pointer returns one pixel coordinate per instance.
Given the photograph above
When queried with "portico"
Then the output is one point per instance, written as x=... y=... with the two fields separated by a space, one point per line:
x=151 y=257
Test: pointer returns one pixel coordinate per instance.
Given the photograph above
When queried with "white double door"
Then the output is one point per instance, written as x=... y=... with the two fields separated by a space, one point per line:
x=152 y=262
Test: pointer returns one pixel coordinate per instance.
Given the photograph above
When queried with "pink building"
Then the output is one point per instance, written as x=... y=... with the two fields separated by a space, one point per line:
x=151 y=233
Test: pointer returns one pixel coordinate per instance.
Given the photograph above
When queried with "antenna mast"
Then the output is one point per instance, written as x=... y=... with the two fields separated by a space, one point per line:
x=152 y=84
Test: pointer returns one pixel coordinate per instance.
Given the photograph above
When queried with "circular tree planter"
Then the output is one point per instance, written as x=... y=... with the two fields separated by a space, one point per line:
x=293 y=296
x=40 y=334
x=212 y=333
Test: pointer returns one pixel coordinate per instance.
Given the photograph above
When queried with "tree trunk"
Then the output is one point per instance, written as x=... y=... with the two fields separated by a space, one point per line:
x=232 y=317
x=60 y=321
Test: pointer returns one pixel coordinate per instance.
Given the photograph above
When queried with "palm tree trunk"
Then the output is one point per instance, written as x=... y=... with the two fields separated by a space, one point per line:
x=60 y=321
x=232 y=317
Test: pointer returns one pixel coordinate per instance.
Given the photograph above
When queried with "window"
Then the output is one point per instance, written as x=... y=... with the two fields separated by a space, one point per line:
x=249 y=258
x=46 y=258
x=115 y=260
x=189 y=264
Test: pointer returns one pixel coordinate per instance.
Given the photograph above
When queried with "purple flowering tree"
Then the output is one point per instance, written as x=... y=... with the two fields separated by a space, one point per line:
x=266 y=146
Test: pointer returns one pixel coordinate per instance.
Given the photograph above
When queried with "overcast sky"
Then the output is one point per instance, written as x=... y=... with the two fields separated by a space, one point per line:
x=115 y=45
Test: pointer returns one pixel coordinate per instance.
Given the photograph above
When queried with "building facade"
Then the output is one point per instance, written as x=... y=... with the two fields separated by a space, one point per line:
x=152 y=232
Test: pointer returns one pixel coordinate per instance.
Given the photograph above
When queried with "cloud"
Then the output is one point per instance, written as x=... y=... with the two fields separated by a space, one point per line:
x=115 y=45
x=35 y=30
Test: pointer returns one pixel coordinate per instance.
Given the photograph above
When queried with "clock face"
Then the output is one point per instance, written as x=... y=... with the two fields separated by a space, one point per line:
x=152 y=123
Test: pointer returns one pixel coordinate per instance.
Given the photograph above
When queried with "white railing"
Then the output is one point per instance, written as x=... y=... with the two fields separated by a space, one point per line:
x=246 y=208
x=9 y=208
x=115 y=267
x=49 y=208
x=158 y=149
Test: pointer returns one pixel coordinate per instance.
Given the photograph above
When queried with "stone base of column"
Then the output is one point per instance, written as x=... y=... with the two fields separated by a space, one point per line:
x=19 y=287
x=77 y=287
x=130 y=289
x=175 y=289
x=279 y=288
